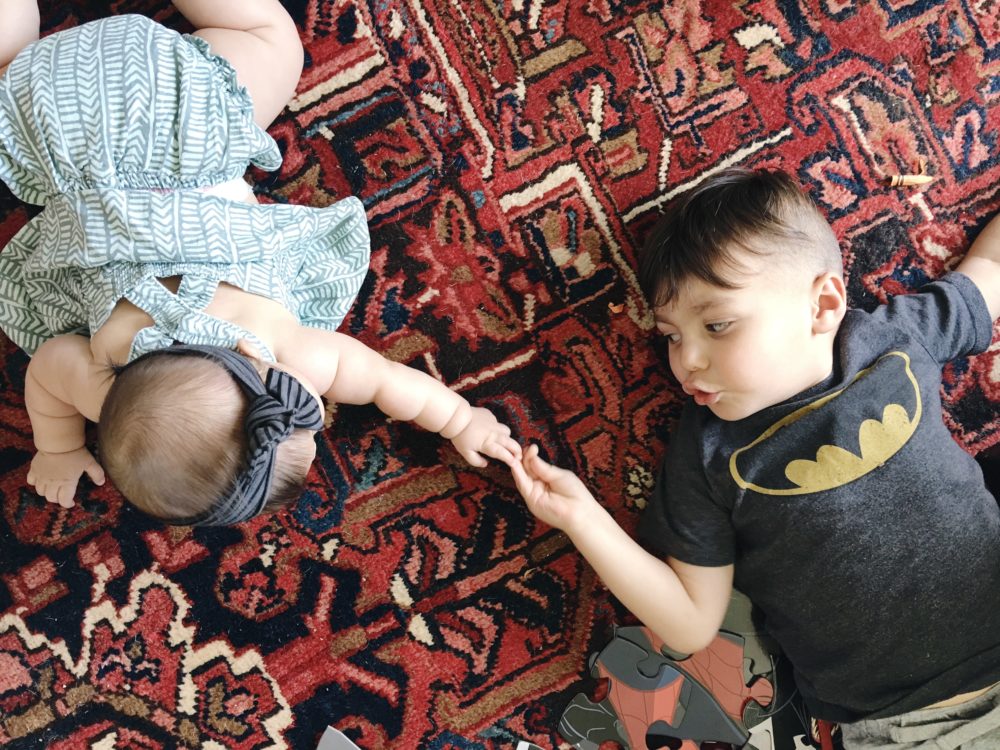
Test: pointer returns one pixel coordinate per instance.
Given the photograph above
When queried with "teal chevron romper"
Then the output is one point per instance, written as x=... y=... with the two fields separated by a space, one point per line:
x=116 y=127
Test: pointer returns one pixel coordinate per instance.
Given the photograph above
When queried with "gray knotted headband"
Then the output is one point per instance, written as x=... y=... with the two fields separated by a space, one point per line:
x=279 y=405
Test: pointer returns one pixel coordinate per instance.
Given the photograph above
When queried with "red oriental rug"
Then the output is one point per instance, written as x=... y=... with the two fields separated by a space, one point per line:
x=511 y=156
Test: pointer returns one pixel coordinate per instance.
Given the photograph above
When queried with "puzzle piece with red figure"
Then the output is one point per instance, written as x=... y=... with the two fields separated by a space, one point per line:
x=651 y=696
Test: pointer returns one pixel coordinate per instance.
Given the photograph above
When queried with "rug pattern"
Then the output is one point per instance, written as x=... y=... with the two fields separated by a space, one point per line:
x=511 y=157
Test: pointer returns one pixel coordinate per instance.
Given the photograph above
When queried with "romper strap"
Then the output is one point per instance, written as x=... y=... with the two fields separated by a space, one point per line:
x=180 y=317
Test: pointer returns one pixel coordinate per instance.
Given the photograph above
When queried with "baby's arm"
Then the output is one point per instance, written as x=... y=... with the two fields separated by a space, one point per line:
x=683 y=604
x=18 y=27
x=346 y=371
x=982 y=265
x=63 y=388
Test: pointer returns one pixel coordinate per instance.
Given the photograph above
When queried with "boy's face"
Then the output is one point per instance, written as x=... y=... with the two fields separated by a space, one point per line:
x=738 y=351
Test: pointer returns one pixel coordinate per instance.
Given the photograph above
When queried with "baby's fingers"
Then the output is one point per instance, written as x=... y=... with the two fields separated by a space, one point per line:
x=513 y=446
x=64 y=494
x=503 y=449
x=52 y=492
x=473 y=458
x=96 y=472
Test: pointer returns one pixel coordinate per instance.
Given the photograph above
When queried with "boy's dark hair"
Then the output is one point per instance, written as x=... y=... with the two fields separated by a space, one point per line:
x=703 y=229
x=171 y=438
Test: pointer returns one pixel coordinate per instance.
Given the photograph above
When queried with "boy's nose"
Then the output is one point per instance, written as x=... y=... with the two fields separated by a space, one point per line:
x=693 y=357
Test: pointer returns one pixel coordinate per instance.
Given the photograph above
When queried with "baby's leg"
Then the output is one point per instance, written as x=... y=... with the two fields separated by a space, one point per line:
x=260 y=41
x=18 y=27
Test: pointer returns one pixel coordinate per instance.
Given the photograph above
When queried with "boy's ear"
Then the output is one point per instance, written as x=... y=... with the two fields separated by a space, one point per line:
x=829 y=302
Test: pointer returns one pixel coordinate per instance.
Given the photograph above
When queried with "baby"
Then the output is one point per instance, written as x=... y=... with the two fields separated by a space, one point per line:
x=812 y=468
x=156 y=296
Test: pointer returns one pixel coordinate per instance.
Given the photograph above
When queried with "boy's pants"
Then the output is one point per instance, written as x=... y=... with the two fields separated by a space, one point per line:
x=973 y=725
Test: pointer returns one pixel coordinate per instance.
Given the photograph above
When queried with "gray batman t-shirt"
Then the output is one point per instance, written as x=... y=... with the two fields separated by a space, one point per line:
x=858 y=526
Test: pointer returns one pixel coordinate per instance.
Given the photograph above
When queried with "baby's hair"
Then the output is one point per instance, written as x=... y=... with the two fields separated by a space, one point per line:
x=171 y=438
x=705 y=228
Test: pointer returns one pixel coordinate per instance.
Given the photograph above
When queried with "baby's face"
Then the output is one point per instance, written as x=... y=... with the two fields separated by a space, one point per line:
x=738 y=351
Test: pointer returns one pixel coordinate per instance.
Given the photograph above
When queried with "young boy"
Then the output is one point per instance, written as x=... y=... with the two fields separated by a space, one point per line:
x=812 y=469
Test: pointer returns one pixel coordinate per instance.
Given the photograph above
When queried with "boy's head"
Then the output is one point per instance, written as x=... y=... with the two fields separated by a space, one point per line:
x=197 y=435
x=745 y=278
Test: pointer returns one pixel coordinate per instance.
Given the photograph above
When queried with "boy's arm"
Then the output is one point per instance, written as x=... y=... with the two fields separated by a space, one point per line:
x=982 y=265
x=63 y=388
x=683 y=604
x=346 y=371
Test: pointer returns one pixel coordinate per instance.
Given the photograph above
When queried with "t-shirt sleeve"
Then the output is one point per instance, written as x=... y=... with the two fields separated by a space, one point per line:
x=682 y=519
x=949 y=317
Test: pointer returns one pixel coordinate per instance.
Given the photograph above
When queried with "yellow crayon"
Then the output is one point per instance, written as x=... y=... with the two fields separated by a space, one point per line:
x=907 y=180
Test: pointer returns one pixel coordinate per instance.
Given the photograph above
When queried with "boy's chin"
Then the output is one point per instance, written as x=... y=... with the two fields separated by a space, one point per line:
x=730 y=410
x=726 y=415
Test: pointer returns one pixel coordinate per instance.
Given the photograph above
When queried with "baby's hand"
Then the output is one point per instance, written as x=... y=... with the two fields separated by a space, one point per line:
x=485 y=436
x=55 y=475
x=555 y=496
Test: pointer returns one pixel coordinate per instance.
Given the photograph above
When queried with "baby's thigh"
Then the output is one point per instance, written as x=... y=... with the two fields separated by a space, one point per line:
x=259 y=40
x=18 y=27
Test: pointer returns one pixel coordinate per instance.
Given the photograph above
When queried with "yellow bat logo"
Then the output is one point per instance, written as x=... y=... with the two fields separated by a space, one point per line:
x=834 y=466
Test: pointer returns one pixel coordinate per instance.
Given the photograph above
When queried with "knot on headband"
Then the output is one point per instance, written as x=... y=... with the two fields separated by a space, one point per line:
x=275 y=413
x=279 y=405
x=268 y=422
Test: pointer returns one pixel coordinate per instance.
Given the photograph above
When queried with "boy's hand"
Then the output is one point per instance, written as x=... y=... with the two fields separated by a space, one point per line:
x=555 y=496
x=55 y=475
x=485 y=436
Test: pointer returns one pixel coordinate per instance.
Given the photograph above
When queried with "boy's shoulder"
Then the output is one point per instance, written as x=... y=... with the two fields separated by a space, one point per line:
x=946 y=318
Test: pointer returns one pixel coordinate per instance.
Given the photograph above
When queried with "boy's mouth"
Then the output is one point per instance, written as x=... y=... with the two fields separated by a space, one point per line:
x=702 y=398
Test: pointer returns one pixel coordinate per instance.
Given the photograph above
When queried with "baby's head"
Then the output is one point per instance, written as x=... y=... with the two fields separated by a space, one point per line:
x=745 y=278
x=198 y=435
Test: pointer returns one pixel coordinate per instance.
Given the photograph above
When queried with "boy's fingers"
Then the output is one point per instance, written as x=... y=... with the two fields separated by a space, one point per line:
x=521 y=480
x=544 y=470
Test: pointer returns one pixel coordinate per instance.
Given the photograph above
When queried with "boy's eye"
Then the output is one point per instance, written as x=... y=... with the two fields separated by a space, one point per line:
x=718 y=327
x=665 y=331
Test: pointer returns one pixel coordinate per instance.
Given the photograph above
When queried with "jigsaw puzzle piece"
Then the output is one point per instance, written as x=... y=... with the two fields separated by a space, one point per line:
x=703 y=718
x=585 y=724
x=653 y=697
x=720 y=668
x=334 y=739
x=631 y=658
x=758 y=647
x=761 y=737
